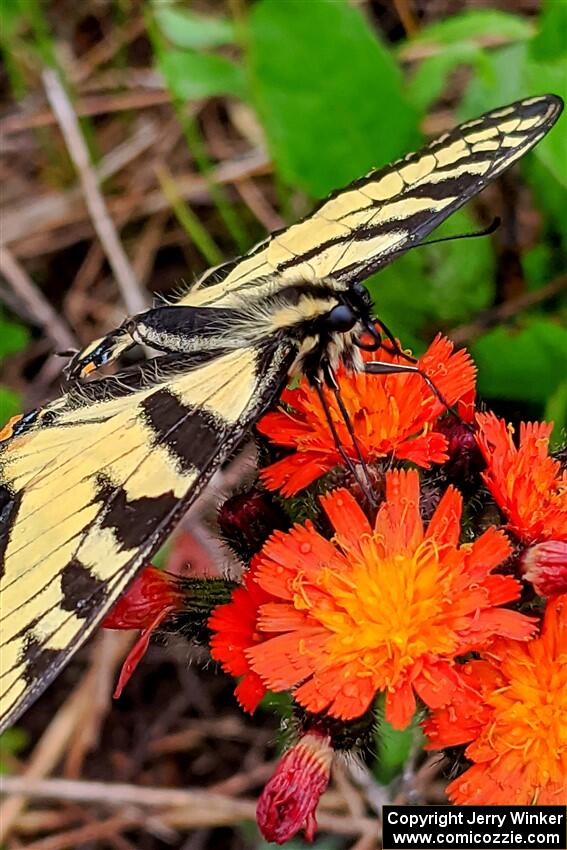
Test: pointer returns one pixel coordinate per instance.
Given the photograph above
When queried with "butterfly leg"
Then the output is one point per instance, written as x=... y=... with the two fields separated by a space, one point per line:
x=378 y=367
x=365 y=483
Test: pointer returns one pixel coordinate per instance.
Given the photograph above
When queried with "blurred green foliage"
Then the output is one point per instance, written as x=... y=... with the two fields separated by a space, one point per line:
x=13 y=338
x=12 y=742
x=335 y=98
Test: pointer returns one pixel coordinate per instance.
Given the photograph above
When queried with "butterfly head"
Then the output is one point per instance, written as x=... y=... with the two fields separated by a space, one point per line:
x=338 y=330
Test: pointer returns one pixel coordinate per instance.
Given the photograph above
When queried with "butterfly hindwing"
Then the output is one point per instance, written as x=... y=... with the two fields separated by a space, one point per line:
x=88 y=498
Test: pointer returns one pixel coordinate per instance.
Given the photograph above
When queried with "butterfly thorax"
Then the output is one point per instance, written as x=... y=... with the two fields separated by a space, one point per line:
x=320 y=320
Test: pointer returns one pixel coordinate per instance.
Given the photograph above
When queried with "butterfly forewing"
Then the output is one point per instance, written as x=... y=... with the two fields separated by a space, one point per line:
x=362 y=228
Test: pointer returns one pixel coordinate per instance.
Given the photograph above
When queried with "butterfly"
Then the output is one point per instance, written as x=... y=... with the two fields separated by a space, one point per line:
x=92 y=483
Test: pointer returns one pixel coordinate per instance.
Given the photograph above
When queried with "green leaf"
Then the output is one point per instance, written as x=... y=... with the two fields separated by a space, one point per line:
x=10 y=404
x=460 y=273
x=191 y=75
x=552 y=150
x=510 y=75
x=526 y=364
x=328 y=92
x=185 y=28
x=435 y=286
x=401 y=299
x=12 y=742
x=473 y=25
x=550 y=197
x=501 y=82
x=430 y=79
x=393 y=746
x=550 y=43
x=13 y=16
x=13 y=336
x=536 y=265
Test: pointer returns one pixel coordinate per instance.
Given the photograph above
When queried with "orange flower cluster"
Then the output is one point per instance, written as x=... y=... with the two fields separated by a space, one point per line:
x=391 y=415
x=394 y=606
x=514 y=720
x=380 y=608
x=526 y=483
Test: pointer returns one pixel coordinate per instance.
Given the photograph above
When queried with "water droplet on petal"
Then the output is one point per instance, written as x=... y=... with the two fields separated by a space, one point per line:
x=305 y=548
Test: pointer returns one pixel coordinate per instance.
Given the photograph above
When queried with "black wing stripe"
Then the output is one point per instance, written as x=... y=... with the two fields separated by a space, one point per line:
x=189 y=433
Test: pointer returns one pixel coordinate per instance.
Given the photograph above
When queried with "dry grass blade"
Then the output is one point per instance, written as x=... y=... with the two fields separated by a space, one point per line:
x=46 y=755
x=36 y=306
x=102 y=222
x=92 y=105
x=176 y=807
x=90 y=832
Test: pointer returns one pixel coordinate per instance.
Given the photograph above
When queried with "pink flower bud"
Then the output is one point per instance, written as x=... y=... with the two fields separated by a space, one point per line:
x=290 y=798
x=545 y=566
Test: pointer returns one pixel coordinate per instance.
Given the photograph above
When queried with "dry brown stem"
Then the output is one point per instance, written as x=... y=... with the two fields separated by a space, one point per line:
x=504 y=312
x=176 y=808
x=36 y=305
x=46 y=755
x=102 y=222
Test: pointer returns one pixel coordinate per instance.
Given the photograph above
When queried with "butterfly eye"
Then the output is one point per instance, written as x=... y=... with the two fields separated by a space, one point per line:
x=340 y=319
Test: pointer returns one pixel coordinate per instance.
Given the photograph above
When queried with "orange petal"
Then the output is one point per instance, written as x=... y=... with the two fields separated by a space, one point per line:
x=347 y=517
x=294 y=473
x=423 y=450
x=398 y=520
x=281 y=662
x=400 y=706
x=436 y=684
x=335 y=691
x=250 y=691
x=445 y=524
x=487 y=552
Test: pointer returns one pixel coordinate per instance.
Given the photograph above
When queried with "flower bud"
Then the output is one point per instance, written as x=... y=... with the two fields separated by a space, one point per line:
x=464 y=461
x=545 y=566
x=246 y=520
x=152 y=593
x=290 y=798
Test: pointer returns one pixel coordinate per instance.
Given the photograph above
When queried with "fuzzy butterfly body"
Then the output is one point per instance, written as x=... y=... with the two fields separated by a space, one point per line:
x=91 y=484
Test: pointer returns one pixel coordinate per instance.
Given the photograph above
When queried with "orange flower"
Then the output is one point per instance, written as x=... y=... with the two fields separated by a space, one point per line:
x=526 y=483
x=383 y=608
x=516 y=723
x=290 y=798
x=234 y=631
x=391 y=415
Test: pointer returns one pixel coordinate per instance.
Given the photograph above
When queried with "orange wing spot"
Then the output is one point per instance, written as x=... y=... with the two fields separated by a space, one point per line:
x=86 y=370
x=8 y=428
